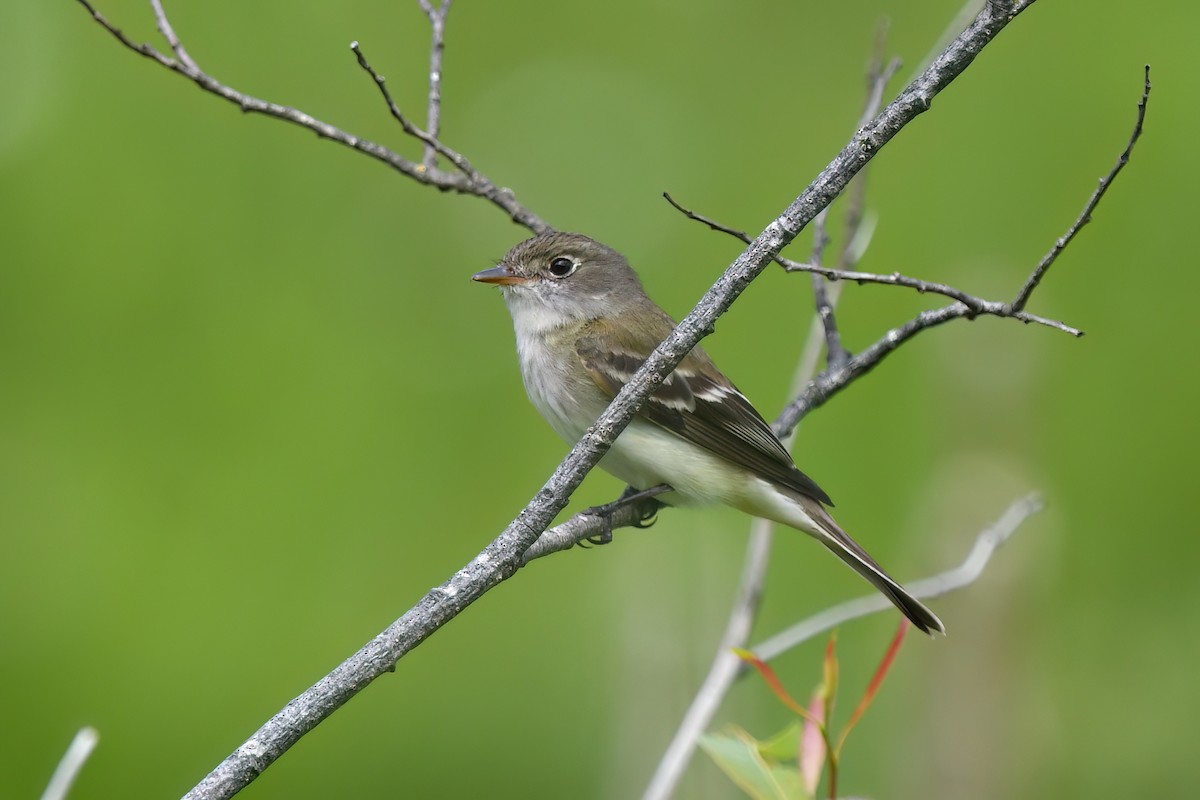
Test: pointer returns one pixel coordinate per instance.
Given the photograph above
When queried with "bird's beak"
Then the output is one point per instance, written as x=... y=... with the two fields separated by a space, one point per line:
x=501 y=276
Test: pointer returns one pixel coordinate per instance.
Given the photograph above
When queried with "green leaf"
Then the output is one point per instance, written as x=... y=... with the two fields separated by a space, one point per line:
x=737 y=754
x=783 y=746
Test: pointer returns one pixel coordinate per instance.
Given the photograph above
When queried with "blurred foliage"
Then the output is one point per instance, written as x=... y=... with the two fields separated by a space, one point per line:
x=788 y=766
x=253 y=408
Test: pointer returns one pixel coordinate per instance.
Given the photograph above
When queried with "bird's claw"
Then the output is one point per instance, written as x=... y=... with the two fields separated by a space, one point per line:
x=601 y=538
x=649 y=519
x=605 y=513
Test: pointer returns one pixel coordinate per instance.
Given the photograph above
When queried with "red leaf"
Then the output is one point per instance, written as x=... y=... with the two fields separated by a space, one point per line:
x=776 y=685
x=877 y=681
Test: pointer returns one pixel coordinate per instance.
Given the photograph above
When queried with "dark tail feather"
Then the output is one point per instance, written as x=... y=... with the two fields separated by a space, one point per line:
x=861 y=562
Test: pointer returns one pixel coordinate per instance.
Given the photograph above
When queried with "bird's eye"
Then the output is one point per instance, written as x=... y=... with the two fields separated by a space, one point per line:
x=562 y=266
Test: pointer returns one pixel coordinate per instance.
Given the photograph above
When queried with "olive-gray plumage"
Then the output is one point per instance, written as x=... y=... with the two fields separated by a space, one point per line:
x=584 y=325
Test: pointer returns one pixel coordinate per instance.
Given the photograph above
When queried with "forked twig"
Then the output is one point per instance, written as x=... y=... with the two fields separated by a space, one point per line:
x=464 y=180
x=1085 y=216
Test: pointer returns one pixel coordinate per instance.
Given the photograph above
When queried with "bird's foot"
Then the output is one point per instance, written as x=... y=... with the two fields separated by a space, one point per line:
x=628 y=497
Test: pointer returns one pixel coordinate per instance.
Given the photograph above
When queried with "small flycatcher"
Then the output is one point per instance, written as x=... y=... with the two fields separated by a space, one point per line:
x=584 y=326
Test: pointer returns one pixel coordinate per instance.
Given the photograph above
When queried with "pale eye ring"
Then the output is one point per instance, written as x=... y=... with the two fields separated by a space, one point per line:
x=562 y=266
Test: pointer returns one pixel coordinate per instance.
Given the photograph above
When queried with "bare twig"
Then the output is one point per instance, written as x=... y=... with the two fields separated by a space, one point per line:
x=975 y=306
x=825 y=296
x=72 y=762
x=432 y=145
x=471 y=182
x=1086 y=215
x=164 y=27
x=709 y=221
x=433 y=121
x=966 y=573
x=827 y=384
x=836 y=353
x=972 y=306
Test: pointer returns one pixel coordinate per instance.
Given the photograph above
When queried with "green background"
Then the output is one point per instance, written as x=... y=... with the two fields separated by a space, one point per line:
x=251 y=407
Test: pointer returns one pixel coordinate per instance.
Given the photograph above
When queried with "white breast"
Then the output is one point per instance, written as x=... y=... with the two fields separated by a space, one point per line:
x=644 y=455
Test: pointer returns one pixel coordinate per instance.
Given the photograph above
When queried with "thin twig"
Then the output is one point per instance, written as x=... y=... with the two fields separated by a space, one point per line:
x=975 y=306
x=966 y=573
x=972 y=306
x=1086 y=215
x=836 y=353
x=825 y=297
x=72 y=762
x=709 y=221
x=827 y=384
x=429 y=139
x=473 y=183
x=433 y=120
x=164 y=27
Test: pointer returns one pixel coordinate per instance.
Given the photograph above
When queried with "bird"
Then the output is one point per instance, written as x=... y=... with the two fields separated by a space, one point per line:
x=584 y=325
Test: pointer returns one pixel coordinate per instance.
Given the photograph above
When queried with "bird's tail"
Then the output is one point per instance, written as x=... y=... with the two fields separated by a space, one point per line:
x=861 y=562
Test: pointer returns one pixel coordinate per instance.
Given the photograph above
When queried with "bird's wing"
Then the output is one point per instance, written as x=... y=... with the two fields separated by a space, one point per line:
x=696 y=402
